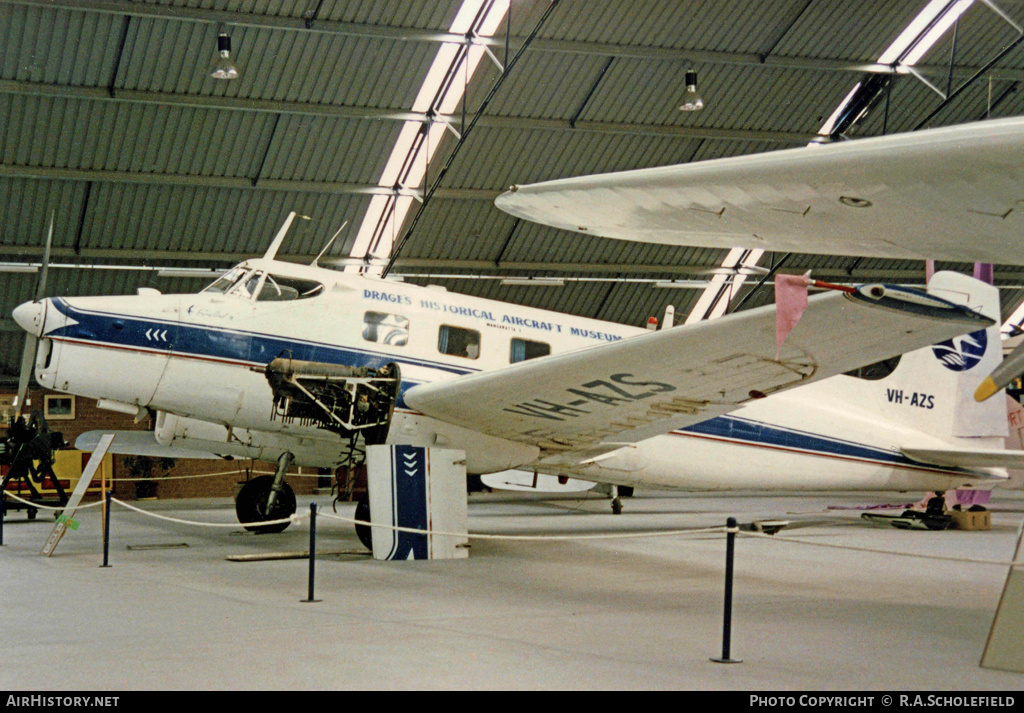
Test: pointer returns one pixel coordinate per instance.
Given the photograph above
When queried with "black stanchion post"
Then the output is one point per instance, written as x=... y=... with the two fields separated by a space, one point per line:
x=3 y=507
x=312 y=551
x=730 y=545
x=106 y=532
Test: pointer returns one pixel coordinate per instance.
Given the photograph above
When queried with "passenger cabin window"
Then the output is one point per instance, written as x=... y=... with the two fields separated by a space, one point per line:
x=390 y=329
x=876 y=371
x=523 y=349
x=459 y=342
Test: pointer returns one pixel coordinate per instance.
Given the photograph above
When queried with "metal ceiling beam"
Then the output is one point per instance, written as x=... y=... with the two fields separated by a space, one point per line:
x=32 y=253
x=351 y=112
x=408 y=34
x=263 y=184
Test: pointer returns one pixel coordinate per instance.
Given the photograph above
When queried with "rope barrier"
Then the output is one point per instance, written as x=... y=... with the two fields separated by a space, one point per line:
x=40 y=506
x=854 y=548
x=122 y=479
x=297 y=519
x=233 y=525
x=484 y=536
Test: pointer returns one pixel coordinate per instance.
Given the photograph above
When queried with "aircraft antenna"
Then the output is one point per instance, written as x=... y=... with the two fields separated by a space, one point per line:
x=329 y=244
x=279 y=238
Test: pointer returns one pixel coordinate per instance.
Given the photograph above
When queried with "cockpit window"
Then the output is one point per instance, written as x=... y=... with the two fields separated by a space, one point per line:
x=226 y=281
x=251 y=285
x=276 y=288
x=265 y=287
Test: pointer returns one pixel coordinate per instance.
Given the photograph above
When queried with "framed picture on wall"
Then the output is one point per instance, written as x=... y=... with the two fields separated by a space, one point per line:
x=58 y=408
x=6 y=409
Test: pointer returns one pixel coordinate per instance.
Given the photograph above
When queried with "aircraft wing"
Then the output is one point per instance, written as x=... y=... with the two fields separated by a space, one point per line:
x=596 y=399
x=947 y=194
x=138 y=443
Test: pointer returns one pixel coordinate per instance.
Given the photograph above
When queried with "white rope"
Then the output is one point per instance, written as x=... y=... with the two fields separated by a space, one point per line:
x=483 y=536
x=296 y=519
x=234 y=525
x=50 y=507
x=966 y=560
x=214 y=475
x=198 y=475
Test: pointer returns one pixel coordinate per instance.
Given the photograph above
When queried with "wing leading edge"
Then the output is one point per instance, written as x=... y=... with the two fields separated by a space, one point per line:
x=946 y=194
x=585 y=401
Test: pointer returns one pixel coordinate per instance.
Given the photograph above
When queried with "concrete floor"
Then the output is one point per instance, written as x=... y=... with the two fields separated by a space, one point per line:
x=172 y=613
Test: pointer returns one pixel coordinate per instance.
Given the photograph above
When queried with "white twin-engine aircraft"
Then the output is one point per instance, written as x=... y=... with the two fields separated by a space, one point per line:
x=303 y=365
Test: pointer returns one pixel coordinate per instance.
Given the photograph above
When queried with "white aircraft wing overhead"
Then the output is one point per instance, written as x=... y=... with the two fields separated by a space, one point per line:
x=596 y=399
x=954 y=193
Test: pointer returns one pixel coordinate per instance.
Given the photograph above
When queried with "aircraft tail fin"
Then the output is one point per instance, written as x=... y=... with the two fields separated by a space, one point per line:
x=932 y=389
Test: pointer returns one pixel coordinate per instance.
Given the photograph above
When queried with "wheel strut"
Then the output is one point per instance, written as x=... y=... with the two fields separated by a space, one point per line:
x=616 y=500
x=282 y=467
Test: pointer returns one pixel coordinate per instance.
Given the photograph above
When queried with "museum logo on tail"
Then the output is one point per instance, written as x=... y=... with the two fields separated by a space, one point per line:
x=962 y=353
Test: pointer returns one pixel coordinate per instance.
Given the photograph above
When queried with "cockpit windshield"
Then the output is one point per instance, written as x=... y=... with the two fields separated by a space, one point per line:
x=226 y=281
x=265 y=287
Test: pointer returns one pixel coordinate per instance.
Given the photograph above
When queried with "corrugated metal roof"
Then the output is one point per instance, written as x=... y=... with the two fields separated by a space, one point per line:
x=108 y=117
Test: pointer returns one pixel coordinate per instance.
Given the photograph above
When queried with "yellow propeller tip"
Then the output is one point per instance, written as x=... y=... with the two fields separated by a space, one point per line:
x=985 y=389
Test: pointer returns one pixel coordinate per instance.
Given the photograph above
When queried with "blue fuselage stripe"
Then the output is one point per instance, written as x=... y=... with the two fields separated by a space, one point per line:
x=218 y=344
x=753 y=433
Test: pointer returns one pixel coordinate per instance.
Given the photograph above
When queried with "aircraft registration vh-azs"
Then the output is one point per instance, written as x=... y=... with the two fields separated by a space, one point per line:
x=304 y=365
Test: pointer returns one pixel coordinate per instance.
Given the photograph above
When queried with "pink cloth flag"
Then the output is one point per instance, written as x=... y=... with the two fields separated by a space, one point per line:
x=983 y=272
x=973 y=497
x=790 y=303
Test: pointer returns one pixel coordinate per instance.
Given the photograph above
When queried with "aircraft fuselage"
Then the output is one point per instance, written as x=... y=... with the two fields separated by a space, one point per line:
x=198 y=360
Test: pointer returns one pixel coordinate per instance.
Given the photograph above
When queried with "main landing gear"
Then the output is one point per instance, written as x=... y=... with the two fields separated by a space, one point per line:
x=266 y=498
x=356 y=403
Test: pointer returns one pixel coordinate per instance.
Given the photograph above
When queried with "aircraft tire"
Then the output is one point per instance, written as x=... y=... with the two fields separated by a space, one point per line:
x=251 y=503
x=363 y=532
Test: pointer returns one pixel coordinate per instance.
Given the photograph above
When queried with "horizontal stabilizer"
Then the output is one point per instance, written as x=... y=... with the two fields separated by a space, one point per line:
x=138 y=443
x=968 y=458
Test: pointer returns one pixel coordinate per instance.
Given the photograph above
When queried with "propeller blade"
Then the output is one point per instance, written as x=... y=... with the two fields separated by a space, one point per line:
x=41 y=285
x=28 y=358
x=1011 y=367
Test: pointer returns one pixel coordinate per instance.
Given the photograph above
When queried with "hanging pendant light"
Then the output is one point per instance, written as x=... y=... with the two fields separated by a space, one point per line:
x=224 y=67
x=692 y=100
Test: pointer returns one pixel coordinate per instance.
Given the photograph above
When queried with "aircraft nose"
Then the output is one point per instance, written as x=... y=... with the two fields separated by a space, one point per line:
x=30 y=316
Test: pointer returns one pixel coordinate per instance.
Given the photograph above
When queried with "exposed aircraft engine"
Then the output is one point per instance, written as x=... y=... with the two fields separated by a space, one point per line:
x=28 y=453
x=343 y=399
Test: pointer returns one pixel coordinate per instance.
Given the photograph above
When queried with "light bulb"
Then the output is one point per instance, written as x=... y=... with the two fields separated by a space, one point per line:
x=224 y=67
x=692 y=101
